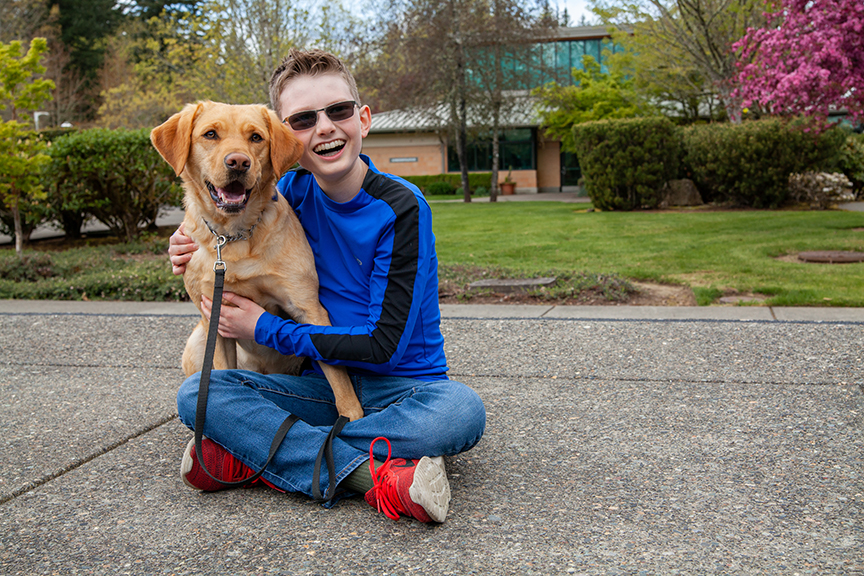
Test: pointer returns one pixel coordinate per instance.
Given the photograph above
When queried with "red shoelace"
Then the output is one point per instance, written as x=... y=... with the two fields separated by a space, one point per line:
x=386 y=495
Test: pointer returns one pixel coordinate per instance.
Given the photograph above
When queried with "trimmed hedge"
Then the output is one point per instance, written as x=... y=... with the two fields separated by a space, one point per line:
x=475 y=180
x=749 y=164
x=439 y=187
x=626 y=162
x=852 y=162
x=115 y=176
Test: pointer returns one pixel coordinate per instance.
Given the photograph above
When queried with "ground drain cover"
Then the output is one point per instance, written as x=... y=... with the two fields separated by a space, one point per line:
x=832 y=256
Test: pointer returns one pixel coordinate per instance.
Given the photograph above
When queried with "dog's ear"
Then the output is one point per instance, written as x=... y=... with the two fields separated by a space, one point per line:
x=285 y=149
x=174 y=138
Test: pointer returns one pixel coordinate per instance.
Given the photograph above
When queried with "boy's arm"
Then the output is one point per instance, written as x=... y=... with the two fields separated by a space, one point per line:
x=404 y=265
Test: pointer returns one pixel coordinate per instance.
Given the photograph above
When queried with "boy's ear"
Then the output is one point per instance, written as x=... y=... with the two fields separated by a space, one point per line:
x=174 y=137
x=365 y=120
x=285 y=149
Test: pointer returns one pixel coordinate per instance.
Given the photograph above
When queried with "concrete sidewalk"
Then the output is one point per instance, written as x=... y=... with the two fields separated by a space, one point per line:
x=620 y=440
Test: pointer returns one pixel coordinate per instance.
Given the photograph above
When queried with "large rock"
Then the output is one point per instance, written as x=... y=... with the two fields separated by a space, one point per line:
x=680 y=193
x=820 y=189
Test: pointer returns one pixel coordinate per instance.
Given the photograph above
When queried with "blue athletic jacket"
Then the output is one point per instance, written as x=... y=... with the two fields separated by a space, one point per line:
x=378 y=276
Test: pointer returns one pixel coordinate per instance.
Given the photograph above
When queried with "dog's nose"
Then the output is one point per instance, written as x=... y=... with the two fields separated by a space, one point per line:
x=237 y=161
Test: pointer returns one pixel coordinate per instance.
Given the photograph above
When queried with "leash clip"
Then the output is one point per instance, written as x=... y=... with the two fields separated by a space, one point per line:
x=220 y=242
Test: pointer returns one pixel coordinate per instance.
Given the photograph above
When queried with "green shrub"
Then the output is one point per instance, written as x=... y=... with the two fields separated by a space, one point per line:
x=29 y=268
x=51 y=134
x=439 y=187
x=475 y=180
x=33 y=213
x=114 y=175
x=478 y=180
x=851 y=162
x=626 y=162
x=144 y=282
x=749 y=164
x=103 y=272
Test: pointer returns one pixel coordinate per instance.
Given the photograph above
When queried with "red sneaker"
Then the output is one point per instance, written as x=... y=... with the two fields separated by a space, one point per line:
x=415 y=488
x=220 y=463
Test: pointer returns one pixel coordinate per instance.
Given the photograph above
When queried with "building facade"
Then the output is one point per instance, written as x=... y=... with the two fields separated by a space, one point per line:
x=414 y=143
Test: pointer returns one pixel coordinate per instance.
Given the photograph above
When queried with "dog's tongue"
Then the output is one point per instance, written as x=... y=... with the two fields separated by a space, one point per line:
x=234 y=193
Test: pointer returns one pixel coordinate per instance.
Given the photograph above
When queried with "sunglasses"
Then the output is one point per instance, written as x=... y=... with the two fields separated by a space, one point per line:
x=309 y=118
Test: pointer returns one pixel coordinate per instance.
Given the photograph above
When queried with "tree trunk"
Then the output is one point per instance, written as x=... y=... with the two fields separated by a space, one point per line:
x=19 y=231
x=462 y=141
x=463 y=148
x=732 y=105
x=496 y=150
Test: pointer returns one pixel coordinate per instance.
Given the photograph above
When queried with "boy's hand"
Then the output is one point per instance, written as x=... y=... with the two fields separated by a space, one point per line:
x=180 y=249
x=238 y=319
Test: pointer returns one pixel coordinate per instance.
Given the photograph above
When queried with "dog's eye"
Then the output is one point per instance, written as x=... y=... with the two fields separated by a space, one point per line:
x=256 y=137
x=210 y=135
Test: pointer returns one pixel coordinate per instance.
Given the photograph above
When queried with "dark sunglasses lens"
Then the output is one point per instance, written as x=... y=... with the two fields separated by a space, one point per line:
x=340 y=111
x=303 y=120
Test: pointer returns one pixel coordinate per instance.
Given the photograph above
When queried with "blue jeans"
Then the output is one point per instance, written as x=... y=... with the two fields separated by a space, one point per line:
x=244 y=410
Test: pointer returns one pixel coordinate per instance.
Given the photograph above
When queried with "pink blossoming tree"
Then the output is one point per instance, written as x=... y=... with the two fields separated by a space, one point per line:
x=808 y=60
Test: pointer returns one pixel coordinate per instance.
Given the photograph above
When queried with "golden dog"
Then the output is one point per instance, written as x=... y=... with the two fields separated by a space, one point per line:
x=229 y=158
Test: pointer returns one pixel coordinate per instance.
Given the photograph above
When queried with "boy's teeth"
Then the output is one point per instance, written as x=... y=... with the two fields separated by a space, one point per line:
x=329 y=145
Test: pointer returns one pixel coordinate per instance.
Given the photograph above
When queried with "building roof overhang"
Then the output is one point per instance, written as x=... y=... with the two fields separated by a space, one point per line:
x=517 y=112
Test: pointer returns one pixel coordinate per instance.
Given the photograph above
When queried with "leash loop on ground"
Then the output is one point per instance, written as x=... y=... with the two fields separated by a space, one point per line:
x=326 y=452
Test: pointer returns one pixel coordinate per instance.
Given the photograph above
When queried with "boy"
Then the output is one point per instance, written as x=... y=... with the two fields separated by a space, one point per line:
x=375 y=254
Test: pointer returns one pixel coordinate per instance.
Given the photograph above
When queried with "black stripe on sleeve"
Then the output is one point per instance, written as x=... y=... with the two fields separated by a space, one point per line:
x=396 y=305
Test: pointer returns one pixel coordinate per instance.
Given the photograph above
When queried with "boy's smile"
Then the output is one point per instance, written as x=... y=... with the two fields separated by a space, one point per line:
x=331 y=148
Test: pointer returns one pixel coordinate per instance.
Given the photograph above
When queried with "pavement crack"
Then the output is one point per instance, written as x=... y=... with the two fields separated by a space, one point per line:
x=83 y=460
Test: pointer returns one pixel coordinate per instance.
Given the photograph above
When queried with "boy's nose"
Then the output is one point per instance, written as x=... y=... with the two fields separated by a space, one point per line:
x=324 y=124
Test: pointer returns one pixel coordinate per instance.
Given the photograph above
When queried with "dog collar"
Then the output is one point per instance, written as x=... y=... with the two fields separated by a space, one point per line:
x=245 y=234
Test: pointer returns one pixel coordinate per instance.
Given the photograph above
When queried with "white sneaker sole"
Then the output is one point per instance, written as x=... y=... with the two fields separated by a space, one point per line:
x=430 y=488
x=186 y=463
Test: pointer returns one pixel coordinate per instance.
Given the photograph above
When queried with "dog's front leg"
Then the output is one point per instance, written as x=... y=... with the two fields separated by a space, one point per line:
x=346 y=400
x=225 y=355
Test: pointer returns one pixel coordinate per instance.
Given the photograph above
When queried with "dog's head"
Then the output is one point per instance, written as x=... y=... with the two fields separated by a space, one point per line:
x=226 y=153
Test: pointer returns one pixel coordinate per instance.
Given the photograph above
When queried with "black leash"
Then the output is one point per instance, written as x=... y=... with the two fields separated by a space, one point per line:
x=326 y=450
x=204 y=383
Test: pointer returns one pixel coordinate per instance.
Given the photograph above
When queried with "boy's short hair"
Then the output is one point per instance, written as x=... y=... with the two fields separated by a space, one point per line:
x=312 y=62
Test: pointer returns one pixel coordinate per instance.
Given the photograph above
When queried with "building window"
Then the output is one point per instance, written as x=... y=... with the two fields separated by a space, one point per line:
x=546 y=62
x=516 y=151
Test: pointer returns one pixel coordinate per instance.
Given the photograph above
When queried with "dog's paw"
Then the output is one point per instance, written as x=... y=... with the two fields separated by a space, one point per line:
x=354 y=413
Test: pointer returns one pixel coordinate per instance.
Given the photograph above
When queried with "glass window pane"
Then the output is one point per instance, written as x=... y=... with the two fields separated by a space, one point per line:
x=592 y=48
x=563 y=65
x=516 y=149
x=606 y=45
x=577 y=50
x=518 y=156
x=547 y=70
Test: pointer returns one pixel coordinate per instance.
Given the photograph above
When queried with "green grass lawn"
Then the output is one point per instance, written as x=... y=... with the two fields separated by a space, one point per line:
x=712 y=251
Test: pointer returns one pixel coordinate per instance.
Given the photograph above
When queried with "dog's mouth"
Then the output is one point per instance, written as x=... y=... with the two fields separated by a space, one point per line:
x=232 y=198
